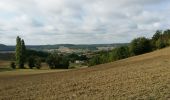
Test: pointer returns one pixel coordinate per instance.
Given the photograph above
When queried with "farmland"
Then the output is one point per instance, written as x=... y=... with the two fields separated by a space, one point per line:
x=141 y=77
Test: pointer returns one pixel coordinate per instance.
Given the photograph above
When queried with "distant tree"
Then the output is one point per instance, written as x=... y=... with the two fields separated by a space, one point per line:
x=23 y=53
x=64 y=63
x=160 y=44
x=53 y=60
x=50 y=61
x=157 y=35
x=140 y=45
x=122 y=52
x=18 y=52
x=155 y=38
x=83 y=57
x=94 y=61
x=73 y=57
x=12 y=65
x=31 y=62
x=38 y=63
x=57 y=61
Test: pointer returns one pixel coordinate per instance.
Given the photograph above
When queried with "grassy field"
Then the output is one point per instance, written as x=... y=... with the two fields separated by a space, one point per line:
x=6 y=71
x=142 y=77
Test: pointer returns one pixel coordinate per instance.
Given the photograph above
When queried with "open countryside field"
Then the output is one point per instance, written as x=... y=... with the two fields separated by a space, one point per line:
x=6 y=71
x=141 y=77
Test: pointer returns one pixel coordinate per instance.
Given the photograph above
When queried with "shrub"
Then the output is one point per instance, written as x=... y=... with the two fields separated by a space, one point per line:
x=13 y=65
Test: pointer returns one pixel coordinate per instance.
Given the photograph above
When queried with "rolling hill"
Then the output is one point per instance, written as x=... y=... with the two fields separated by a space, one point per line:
x=141 y=77
x=56 y=46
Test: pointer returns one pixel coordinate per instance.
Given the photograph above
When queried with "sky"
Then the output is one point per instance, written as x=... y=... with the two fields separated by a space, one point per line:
x=81 y=21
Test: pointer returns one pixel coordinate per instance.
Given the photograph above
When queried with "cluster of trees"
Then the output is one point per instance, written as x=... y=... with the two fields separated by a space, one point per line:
x=34 y=58
x=137 y=46
x=73 y=57
x=55 y=60
x=20 y=52
x=23 y=56
x=109 y=56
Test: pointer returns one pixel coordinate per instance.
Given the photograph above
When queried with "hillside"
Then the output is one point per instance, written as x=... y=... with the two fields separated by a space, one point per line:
x=56 y=46
x=141 y=77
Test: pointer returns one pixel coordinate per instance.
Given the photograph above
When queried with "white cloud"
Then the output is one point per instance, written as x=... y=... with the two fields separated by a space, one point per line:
x=81 y=21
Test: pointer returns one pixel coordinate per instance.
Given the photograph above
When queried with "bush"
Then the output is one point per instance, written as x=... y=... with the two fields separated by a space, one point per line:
x=13 y=65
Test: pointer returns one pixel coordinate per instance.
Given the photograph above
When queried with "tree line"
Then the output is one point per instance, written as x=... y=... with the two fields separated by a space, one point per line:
x=137 y=46
x=34 y=59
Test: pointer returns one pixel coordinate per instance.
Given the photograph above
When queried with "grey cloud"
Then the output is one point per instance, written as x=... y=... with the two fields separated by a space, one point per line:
x=81 y=21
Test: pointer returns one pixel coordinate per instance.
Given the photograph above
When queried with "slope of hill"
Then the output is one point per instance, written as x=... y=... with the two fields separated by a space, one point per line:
x=141 y=77
x=6 y=48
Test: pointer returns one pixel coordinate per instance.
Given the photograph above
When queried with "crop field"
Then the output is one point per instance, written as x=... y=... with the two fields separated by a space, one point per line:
x=141 y=77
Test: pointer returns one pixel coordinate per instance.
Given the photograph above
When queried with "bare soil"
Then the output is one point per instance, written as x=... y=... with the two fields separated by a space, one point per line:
x=142 y=77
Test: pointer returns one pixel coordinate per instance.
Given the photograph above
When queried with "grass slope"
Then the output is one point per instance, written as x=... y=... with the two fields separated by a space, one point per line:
x=142 y=77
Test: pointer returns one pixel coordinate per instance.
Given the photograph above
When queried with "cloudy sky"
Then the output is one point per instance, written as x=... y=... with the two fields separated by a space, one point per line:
x=81 y=21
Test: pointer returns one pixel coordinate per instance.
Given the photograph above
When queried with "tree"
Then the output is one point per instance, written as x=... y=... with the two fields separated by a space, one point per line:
x=31 y=62
x=57 y=61
x=73 y=57
x=12 y=65
x=23 y=53
x=157 y=35
x=160 y=44
x=18 y=53
x=121 y=53
x=38 y=63
x=53 y=60
x=94 y=61
x=140 y=45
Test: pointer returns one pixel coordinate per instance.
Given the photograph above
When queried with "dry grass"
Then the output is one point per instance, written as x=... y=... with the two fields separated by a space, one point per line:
x=141 y=77
x=4 y=64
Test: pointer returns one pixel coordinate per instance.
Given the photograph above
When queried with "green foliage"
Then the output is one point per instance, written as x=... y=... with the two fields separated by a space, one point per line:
x=73 y=57
x=160 y=44
x=34 y=61
x=20 y=52
x=57 y=61
x=140 y=45
x=38 y=63
x=23 y=53
x=39 y=54
x=157 y=35
x=94 y=61
x=121 y=53
x=12 y=65
x=105 y=57
x=31 y=62
x=161 y=39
